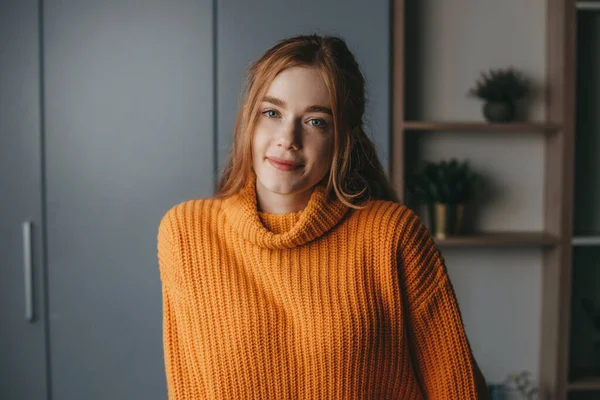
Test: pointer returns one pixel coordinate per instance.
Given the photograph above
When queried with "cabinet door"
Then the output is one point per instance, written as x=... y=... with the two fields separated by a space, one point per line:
x=22 y=316
x=129 y=133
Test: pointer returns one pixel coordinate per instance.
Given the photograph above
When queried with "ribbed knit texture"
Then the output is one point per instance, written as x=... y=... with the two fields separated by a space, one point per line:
x=324 y=303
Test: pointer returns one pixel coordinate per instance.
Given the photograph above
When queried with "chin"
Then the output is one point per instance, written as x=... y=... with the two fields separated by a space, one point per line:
x=279 y=183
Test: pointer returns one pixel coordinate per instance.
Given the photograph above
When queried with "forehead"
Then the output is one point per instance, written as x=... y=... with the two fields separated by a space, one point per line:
x=301 y=86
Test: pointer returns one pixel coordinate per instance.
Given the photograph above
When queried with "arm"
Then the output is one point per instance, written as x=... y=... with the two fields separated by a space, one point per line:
x=440 y=349
x=177 y=373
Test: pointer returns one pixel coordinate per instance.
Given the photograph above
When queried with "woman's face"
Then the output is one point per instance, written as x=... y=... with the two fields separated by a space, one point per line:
x=295 y=125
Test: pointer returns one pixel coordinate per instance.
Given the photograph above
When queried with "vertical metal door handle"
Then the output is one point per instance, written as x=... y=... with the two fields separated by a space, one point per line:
x=27 y=270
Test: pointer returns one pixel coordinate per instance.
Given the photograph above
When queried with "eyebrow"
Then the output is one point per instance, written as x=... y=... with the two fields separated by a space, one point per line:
x=314 y=108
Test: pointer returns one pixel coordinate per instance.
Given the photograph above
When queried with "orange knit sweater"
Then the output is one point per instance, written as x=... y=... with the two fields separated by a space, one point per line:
x=324 y=303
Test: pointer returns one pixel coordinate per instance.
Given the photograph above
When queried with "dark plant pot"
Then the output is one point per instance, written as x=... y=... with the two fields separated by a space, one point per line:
x=499 y=111
x=502 y=391
x=446 y=219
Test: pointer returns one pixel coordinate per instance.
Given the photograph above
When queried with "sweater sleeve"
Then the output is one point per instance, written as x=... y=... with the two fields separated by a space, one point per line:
x=440 y=349
x=177 y=374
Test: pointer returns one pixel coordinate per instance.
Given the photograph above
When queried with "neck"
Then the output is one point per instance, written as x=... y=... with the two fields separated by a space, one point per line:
x=293 y=229
x=274 y=203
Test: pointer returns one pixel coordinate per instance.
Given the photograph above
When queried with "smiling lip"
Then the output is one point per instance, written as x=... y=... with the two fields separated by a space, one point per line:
x=283 y=165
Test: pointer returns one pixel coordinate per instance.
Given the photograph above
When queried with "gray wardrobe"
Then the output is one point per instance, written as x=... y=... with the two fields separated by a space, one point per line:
x=110 y=113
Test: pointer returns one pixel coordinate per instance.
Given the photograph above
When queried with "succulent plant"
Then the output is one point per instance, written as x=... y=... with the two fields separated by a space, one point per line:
x=447 y=182
x=500 y=84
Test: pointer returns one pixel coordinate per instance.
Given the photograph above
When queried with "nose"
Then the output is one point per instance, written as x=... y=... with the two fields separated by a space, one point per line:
x=289 y=136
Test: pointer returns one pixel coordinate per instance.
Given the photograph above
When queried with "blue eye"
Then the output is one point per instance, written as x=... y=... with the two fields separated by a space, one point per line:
x=319 y=123
x=271 y=113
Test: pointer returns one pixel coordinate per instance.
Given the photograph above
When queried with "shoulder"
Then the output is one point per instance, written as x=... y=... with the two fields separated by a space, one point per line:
x=419 y=262
x=392 y=224
x=398 y=222
x=178 y=224
x=189 y=213
x=394 y=215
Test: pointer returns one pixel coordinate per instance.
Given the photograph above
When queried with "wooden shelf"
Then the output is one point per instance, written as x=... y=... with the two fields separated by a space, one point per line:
x=509 y=239
x=466 y=126
x=588 y=5
x=583 y=379
x=584 y=384
x=591 y=240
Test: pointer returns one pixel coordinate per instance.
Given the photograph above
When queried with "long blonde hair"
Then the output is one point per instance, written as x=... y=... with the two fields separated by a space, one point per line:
x=356 y=174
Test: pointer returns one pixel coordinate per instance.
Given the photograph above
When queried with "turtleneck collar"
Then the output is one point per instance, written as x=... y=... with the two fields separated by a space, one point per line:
x=279 y=231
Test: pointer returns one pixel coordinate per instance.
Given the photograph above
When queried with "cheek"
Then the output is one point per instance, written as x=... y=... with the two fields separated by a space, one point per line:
x=258 y=143
x=325 y=153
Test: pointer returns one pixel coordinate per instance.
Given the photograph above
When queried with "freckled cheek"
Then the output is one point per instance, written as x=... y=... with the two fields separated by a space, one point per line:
x=259 y=144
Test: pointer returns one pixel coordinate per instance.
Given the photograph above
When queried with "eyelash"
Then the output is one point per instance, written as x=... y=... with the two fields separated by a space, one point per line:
x=324 y=126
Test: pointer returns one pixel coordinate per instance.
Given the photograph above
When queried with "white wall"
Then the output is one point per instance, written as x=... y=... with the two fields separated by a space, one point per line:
x=498 y=289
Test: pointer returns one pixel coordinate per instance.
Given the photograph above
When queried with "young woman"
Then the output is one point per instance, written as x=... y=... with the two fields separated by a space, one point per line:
x=304 y=278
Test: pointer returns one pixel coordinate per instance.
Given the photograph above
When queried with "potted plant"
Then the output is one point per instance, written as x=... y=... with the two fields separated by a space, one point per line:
x=593 y=314
x=445 y=187
x=500 y=89
x=523 y=384
x=516 y=385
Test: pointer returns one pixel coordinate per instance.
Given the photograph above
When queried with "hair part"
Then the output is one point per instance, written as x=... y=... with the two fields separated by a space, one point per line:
x=356 y=174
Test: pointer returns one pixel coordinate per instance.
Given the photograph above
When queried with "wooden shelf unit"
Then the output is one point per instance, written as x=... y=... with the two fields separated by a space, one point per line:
x=559 y=136
x=584 y=384
x=500 y=239
x=583 y=379
x=480 y=127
